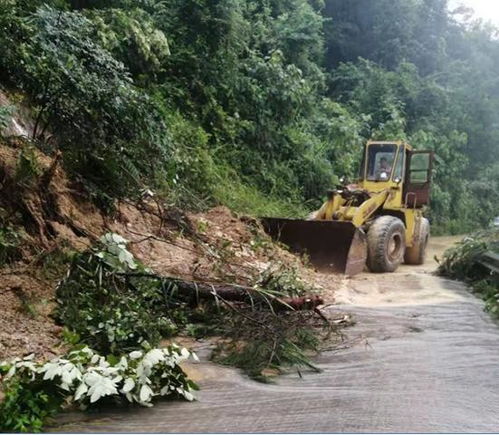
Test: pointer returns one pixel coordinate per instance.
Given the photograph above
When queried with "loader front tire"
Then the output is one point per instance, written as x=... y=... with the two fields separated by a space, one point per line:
x=385 y=244
x=417 y=253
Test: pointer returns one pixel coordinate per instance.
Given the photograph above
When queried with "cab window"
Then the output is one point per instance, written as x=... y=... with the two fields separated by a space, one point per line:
x=380 y=161
x=420 y=168
x=399 y=167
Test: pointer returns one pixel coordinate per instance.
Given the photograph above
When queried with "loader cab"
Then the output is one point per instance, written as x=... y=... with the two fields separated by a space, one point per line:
x=395 y=165
x=382 y=165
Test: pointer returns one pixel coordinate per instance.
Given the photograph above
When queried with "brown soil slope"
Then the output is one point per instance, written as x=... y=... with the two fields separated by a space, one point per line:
x=54 y=216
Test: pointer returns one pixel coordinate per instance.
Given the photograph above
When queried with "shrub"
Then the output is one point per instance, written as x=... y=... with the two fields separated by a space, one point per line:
x=110 y=311
x=10 y=242
x=463 y=262
x=36 y=391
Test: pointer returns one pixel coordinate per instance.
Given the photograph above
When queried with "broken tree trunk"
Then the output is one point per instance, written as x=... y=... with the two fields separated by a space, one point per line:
x=236 y=293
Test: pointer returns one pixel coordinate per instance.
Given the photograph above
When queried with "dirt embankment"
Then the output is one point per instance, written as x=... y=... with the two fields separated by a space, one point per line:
x=53 y=216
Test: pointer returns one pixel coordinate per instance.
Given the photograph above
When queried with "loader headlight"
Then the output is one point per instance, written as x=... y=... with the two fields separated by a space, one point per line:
x=383 y=176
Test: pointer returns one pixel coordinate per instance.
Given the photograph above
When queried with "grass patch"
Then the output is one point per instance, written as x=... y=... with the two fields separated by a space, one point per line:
x=241 y=197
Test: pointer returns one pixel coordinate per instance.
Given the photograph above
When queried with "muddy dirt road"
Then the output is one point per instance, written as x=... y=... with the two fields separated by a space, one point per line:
x=424 y=358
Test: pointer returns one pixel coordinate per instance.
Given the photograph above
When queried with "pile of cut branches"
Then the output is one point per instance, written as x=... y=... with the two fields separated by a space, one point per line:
x=113 y=303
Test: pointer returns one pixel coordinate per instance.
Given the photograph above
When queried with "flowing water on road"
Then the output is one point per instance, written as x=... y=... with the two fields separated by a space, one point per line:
x=424 y=357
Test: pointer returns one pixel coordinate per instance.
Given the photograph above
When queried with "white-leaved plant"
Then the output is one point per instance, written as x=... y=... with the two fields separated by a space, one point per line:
x=121 y=258
x=87 y=377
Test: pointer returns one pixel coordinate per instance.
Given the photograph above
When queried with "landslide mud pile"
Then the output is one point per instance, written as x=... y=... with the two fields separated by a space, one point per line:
x=51 y=216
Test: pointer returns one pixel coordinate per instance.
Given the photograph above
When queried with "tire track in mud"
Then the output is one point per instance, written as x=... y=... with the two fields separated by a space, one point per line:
x=424 y=358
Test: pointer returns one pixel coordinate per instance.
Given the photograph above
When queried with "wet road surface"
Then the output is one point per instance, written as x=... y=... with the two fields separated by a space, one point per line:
x=424 y=357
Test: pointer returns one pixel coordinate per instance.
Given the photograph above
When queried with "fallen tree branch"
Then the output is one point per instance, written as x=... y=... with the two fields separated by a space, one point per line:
x=236 y=293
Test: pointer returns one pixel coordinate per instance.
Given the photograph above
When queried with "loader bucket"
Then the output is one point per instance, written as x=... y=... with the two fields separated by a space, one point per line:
x=331 y=246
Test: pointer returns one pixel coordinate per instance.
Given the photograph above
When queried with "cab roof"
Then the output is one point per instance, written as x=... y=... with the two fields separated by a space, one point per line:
x=389 y=142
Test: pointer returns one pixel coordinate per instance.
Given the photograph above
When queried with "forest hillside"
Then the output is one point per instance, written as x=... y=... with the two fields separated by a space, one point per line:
x=259 y=105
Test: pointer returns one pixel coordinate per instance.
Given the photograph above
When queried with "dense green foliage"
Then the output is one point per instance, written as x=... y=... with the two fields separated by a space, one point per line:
x=36 y=391
x=258 y=104
x=109 y=311
x=28 y=405
x=465 y=262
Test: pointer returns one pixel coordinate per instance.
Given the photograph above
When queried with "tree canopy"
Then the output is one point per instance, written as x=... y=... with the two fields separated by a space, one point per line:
x=259 y=104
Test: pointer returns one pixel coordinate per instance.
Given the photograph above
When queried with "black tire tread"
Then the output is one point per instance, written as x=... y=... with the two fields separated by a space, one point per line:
x=416 y=254
x=376 y=241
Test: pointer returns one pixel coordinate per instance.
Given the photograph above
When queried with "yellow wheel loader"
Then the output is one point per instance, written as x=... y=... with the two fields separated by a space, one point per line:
x=377 y=221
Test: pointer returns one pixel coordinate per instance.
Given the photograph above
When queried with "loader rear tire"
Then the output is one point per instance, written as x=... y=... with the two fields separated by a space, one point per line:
x=385 y=244
x=417 y=253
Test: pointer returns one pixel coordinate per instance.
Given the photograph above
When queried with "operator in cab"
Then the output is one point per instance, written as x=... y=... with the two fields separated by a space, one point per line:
x=384 y=170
